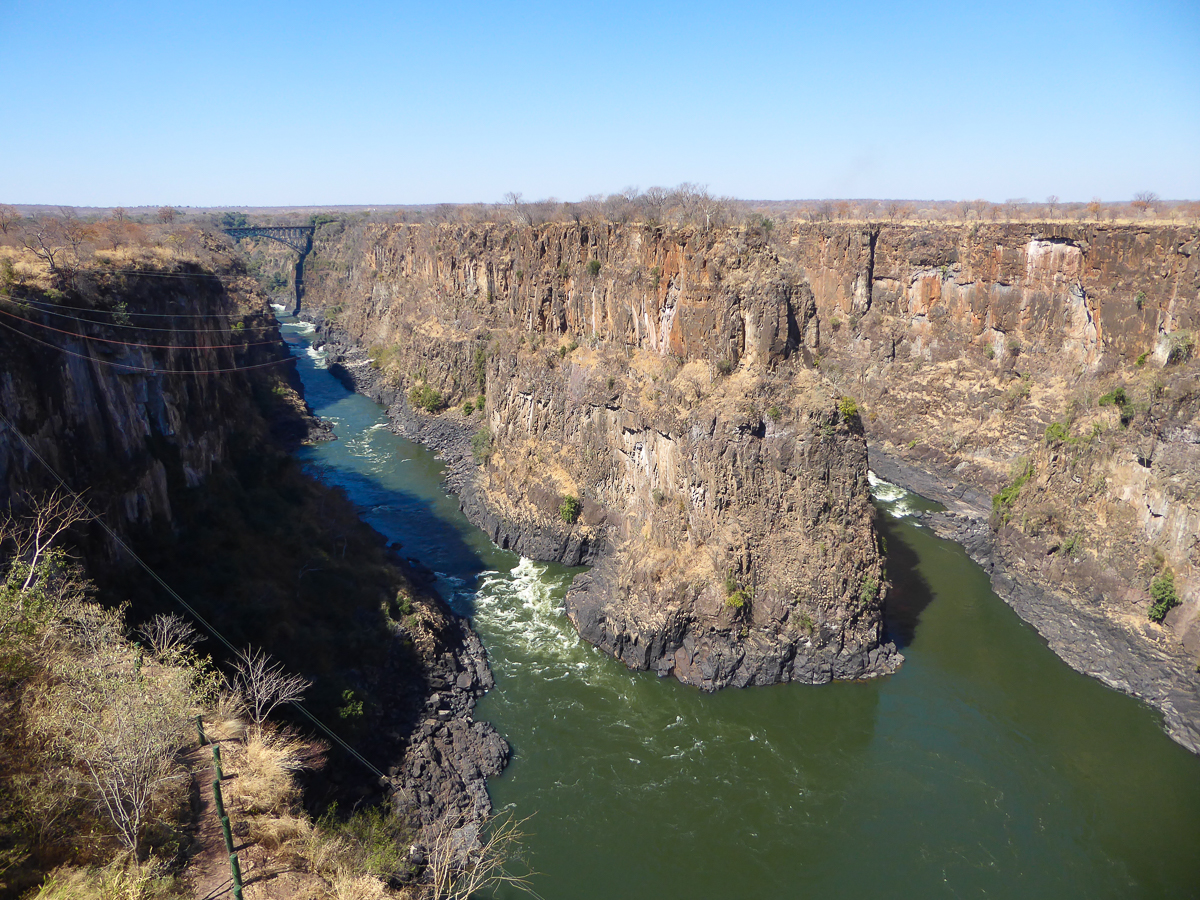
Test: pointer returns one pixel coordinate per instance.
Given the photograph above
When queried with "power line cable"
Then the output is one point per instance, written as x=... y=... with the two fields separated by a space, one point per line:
x=24 y=304
x=146 y=369
x=171 y=591
x=92 y=309
x=89 y=337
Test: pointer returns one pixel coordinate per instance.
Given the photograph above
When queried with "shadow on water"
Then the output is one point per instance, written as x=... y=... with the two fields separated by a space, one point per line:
x=376 y=477
x=910 y=591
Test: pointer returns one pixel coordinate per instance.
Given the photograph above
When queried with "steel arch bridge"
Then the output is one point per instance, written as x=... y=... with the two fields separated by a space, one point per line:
x=297 y=237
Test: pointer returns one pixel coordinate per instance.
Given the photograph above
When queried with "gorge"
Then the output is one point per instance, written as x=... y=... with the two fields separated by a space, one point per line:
x=720 y=425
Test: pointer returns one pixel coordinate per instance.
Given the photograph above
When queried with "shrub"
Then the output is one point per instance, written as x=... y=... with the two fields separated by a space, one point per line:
x=1141 y=360
x=468 y=407
x=775 y=413
x=426 y=397
x=1179 y=347
x=1008 y=495
x=480 y=402
x=869 y=589
x=848 y=408
x=569 y=509
x=480 y=363
x=481 y=445
x=1070 y=545
x=611 y=382
x=655 y=277
x=1162 y=592
x=593 y=267
x=1057 y=432
x=989 y=351
x=724 y=367
x=1119 y=399
x=736 y=596
x=563 y=270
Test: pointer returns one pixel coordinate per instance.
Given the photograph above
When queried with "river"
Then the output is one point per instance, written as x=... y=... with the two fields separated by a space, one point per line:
x=984 y=768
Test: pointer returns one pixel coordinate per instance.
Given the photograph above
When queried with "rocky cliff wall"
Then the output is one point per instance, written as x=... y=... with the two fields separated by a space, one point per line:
x=963 y=345
x=966 y=344
x=168 y=400
x=661 y=381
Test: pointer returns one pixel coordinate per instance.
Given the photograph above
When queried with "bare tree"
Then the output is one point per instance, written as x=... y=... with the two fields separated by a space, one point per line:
x=266 y=684
x=513 y=198
x=44 y=239
x=654 y=201
x=1051 y=205
x=463 y=861
x=119 y=730
x=1095 y=208
x=170 y=636
x=1145 y=202
x=8 y=216
x=167 y=214
x=31 y=537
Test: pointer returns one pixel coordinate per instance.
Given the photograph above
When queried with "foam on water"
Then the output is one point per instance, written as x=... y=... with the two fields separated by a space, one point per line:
x=898 y=500
x=317 y=356
x=521 y=604
x=278 y=307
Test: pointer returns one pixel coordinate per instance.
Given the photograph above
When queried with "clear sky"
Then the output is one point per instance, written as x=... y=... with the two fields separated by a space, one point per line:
x=259 y=102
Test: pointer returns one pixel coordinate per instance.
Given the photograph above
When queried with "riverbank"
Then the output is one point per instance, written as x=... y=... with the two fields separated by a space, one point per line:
x=1089 y=642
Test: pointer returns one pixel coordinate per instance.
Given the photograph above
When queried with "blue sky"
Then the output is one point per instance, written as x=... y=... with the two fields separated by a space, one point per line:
x=298 y=103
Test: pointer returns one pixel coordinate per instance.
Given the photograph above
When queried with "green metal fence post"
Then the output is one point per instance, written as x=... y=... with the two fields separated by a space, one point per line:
x=225 y=830
x=200 y=731
x=237 y=876
x=217 y=797
x=217 y=761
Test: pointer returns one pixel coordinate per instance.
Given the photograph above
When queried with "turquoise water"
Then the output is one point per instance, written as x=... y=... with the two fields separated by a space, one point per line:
x=984 y=768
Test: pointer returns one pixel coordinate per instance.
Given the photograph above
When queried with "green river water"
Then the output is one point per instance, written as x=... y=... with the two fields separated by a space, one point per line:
x=984 y=768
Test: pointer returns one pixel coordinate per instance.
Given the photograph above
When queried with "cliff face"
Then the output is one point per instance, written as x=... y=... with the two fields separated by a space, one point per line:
x=966 y=345
x=962 y=345
x=660 y=380
x=188 y=461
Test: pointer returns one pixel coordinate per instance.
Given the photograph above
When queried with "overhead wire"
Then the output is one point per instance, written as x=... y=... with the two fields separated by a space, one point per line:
x=88 y=337
x=147 y=369
x=208 y=626
x=24 y=304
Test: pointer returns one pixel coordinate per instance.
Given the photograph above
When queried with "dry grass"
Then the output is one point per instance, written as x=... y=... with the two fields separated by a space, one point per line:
x=264 y=764
x=122 y=879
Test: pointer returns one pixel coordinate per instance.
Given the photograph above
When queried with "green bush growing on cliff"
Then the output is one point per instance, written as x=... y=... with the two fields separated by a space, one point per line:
x=1056 y=433
x=1003 y=501
x=593 y=267
x=848 y=408
x=1118 y=398
x=724 y=367
x=1179 y=347
x=775 y=413
x=569 y=509
x=736 y=596
x=426 y=397
x=869 y=589
x=1162 y=592
x=480 y=366
x=481 y=445
x=468 y=407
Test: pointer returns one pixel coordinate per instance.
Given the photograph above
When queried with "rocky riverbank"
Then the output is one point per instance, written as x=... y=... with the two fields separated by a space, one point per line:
x=1133 y=661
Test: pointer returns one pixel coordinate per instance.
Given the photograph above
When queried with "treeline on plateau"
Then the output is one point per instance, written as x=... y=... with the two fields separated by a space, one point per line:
x=685 y=205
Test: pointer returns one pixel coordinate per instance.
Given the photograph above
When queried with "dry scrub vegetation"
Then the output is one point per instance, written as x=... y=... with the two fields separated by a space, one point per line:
x=104 y=794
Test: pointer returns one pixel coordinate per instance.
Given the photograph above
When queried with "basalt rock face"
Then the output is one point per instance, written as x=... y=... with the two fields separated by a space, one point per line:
x=1060 y=356
x=159 y=440
x=112 y=418
x=649 y=407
